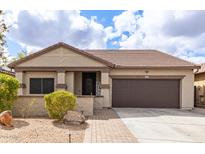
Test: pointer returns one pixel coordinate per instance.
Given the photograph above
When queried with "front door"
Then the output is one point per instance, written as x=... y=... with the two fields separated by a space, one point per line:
x=89 y=83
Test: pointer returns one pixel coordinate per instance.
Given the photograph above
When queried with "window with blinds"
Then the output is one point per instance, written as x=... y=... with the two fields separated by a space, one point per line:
x=41 y=85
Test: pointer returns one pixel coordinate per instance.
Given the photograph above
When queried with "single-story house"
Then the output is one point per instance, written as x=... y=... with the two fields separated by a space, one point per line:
x=105 y=78
x=4 y=71
x=199 y=87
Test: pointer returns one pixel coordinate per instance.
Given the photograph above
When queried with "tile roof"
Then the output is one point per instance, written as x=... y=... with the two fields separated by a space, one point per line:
x=6 y=72
x=120 y=58
x=140 y=58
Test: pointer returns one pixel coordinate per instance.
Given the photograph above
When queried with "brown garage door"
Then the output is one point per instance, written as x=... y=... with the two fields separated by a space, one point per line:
x=150 y=93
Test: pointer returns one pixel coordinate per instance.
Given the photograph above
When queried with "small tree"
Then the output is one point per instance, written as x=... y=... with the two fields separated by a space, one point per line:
x=59 y=102
x=21 y=55
x=3 y=30
x=8 y=91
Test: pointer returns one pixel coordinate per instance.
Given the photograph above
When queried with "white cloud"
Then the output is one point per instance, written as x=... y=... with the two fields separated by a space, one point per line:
x=188 y=23
x=38 y=29
x=180 y=33
x=127 y=21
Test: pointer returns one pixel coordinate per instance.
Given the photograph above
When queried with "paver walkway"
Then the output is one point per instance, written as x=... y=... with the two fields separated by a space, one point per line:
x=105 y=126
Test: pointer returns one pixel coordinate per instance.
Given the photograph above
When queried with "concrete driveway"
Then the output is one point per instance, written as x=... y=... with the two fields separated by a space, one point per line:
x=164 y=125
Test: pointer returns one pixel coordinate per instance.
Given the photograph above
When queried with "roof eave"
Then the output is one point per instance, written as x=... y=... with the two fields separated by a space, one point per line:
x=158 y=67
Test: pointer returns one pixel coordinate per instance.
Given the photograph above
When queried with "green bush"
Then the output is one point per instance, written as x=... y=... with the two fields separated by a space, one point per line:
x=59 y=102
x=8 y=91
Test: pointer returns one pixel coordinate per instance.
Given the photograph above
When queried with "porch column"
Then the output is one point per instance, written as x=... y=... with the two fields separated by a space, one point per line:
x=105 y=88
x=60 y=83
x=70 y=81
x=22 y=85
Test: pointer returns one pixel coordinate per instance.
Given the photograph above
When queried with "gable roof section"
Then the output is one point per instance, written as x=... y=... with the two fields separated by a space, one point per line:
x=120 y=58
x=141 y=59
x=55 y=46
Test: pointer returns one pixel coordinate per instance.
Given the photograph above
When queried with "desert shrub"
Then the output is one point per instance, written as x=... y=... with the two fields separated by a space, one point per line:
x=59 y=102
x=8 y=91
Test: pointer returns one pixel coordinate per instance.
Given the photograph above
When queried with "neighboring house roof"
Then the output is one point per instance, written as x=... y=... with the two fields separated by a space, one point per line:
x=141 y=58
x=120 y=58
x=6 y=72
x=202 y=69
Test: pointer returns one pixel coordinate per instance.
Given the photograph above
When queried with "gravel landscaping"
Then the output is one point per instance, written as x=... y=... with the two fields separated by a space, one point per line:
x=41 y=131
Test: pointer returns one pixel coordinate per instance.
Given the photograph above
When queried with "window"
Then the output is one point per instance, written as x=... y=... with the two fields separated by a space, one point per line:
x=41 y=85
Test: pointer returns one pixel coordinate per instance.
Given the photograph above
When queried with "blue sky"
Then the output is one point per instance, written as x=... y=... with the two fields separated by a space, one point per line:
x=104 y=17
x=180 y=33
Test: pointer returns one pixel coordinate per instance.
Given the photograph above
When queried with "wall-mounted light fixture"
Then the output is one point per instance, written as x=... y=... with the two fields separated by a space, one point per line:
x=146 y=76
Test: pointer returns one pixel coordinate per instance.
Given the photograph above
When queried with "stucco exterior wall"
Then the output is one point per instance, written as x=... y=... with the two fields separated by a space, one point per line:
x=105 y=89
x=187 y=82
x=30 y=106
x=61 y=77
x=34 y=106
x=20 y=77
x=199 y=83
x=78 y=83
x=74 y=81
x=70 y=81
x=85 y=104
x=187 y=92
x=98 y=102
x=61 y=57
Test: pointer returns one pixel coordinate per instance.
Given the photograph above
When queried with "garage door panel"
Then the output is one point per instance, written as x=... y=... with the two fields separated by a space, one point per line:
x=153 y=93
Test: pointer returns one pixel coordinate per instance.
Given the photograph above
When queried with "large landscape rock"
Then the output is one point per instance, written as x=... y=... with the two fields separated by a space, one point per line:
x=6 y=118
x=73 y=117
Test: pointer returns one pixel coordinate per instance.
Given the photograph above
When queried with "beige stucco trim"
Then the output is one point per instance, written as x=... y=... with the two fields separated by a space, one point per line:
x=147 y=76
x=62 y=69
x=78 y=83
x=20 y=78
x=179 y=67
x=70 y=81
x=61 y=77
x=61 y=86
x=105 y=86
x=105 y=80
